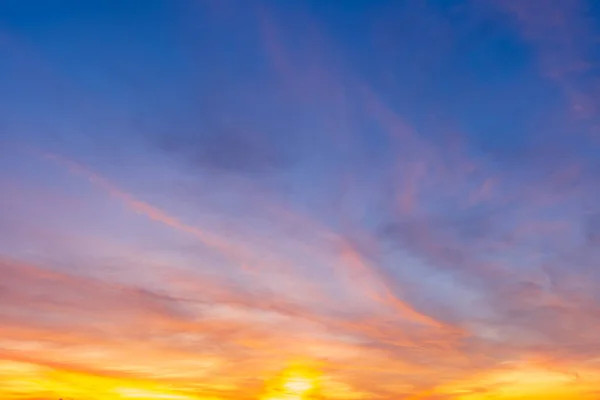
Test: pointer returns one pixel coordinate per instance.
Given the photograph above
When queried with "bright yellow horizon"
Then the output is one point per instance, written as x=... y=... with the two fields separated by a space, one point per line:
x=22 y=380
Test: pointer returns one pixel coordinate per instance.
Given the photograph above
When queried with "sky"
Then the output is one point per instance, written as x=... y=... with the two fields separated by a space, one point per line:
x=302 y=199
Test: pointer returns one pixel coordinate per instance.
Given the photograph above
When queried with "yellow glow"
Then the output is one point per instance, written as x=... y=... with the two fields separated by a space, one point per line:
x=294 y=383
x=521 y=381
x=48 y=383
x=298 y=385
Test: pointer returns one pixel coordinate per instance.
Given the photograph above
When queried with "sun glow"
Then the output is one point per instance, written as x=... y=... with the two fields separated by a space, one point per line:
x=294 y=383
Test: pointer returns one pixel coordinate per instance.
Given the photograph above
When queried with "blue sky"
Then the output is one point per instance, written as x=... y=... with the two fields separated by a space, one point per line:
x=372 y=186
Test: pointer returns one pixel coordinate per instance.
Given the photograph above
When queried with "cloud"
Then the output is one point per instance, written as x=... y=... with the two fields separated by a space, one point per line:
x=217 y=148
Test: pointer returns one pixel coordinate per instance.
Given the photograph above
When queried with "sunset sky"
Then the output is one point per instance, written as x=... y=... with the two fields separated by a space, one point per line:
x=299 y=199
